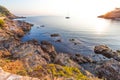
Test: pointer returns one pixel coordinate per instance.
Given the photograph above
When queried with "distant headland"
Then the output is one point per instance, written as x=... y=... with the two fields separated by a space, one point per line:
x=115 y=14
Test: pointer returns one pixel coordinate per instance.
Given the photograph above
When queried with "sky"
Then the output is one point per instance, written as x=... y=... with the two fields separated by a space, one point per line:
x=60 y=7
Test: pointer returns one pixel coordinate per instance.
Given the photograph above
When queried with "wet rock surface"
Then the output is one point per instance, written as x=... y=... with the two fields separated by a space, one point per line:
x=55 y=35
x=107 y=52
x=81 y=59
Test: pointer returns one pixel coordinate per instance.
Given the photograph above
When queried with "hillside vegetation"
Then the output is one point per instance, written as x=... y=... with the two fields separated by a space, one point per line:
x=5 y=12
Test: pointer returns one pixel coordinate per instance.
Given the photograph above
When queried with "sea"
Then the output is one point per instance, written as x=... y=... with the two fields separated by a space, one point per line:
x=76 y=34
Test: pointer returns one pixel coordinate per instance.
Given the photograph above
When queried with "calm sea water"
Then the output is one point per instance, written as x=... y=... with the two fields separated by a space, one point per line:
x=87 y=32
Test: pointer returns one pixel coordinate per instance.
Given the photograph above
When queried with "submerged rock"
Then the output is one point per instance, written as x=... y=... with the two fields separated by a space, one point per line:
x=55 y=35
x=42 y=25
x=59 y=40
x=75 y=41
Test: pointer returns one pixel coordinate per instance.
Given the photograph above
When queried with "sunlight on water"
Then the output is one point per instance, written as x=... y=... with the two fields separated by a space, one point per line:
x=87 y=31
x=101 y=26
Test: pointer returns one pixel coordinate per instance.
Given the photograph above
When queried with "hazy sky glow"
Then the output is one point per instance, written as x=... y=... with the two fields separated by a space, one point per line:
x=60 y=7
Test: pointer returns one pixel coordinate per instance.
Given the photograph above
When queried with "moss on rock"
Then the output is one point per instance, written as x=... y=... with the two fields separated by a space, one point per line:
x=57 y=71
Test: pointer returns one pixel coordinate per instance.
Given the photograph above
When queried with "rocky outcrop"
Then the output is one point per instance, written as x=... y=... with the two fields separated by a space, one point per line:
x=31 y=54
x=8 y=76
x=109 y=70
x=81 y=59
x=64 y=60
x=107 y=52
x=13 y=29
x=18 y=28
x=39 y=63
x=24 y=25
x=48 y=48
x=115 y=14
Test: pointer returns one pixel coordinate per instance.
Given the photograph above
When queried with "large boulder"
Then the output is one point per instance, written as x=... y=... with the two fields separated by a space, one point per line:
x=107 y=52
x=109 y=70
x=48 y=48
x=24 y=25
x=80 y=59
x=104 y=50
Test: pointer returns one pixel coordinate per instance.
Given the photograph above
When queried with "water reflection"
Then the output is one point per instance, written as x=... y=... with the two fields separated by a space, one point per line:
x=101 y=26
x=90 y=32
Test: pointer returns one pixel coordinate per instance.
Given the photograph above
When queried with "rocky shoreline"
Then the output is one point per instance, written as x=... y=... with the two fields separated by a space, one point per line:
x=33 y=54
x=40 y=60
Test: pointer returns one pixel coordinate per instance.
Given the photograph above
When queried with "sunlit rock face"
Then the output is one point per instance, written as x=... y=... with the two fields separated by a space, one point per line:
x=115 y=14
x=107 y=52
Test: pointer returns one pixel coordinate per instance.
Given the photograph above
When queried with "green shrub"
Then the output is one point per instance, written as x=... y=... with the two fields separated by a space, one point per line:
x=2 y=23
x=67 y=72
x=4 y=11
x=58 y=71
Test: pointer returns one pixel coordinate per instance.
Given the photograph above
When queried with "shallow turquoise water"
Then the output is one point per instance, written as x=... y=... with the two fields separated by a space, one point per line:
x=88 y=32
